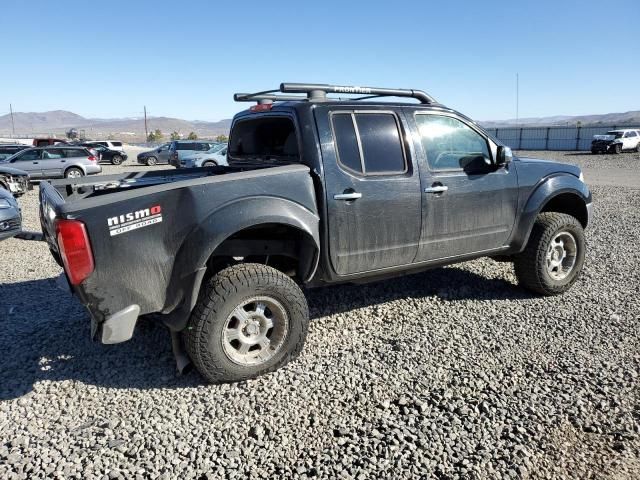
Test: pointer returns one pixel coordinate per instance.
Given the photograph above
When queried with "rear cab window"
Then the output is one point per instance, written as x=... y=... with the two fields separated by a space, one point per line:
x=263 y=139
x=116 y=144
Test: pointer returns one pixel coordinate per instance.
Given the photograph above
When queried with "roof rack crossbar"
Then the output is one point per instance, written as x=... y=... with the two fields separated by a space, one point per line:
x=318 y=91
x=262 y=98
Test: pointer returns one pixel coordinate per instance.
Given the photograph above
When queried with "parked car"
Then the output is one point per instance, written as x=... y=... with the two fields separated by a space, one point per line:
x=178 y=149
x=43 y=142
x=317 y=192
x=14 y=180
x=10 y=215
x=212 y=157
x=158 y=155
x=8 y=150
x=55 y=162
x=110 y=144
x=104 y=154
x=616 y=141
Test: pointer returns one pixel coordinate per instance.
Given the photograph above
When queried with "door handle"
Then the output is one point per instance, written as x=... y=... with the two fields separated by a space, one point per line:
x=436 y=189
x=347 y=196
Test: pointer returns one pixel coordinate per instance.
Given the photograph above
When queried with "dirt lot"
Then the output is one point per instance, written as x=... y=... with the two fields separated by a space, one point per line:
x=456 y=372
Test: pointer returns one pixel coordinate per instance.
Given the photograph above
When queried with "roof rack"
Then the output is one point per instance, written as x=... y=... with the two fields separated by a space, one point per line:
x=317 y=92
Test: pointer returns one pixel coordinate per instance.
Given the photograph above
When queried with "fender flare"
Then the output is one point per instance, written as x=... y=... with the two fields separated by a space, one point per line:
x=191 y=259
x=548 y=188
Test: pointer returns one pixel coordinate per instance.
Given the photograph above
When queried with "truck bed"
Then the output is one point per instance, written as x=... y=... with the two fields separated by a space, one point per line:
x=152 y=230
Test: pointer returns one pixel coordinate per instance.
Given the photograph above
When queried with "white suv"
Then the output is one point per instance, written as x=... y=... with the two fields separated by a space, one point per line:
x=616 y=141
x=110 y=144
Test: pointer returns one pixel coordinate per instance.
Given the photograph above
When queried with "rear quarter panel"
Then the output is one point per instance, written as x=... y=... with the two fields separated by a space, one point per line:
x=146 y=266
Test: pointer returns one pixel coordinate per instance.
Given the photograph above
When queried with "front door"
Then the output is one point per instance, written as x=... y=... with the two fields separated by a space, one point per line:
x=29 y=161
x=372 y=190
x=630 y=140
x=469 y=205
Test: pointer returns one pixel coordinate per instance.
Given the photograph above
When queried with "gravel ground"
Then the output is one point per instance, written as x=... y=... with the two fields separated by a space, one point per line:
x=452 y=373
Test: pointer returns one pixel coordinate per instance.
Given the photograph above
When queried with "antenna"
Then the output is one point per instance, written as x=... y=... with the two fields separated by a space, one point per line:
x=517 y=98
x=146 y=132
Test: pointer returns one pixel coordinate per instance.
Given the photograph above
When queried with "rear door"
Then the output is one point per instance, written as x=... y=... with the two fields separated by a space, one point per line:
x=53 y=162
x=469 y=205
x=372 y=187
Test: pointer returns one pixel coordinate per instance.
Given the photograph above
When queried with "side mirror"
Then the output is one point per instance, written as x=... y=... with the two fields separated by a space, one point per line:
x=505 y=155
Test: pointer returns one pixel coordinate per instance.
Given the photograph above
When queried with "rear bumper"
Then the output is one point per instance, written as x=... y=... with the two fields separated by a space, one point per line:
x=93 y=169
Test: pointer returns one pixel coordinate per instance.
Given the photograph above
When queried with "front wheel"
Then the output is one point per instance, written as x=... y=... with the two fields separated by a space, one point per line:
x=73 y=172
x=638 y=148
x=209 y=164
x=617 y=148
x=250 y=319
x=554 y=255
x=151 y=161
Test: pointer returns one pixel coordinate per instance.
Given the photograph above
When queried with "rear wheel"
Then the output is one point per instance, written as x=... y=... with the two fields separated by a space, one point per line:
x=250 y=319
x=116 y=160
x=151 y=161
x=73 y=172
x=554 y=255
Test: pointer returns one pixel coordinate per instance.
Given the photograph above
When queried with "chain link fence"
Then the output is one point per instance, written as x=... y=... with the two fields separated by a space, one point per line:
x=550 y=138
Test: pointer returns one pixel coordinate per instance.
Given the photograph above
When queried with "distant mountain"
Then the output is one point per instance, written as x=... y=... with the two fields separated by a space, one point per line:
x=128 y=129
x=607 y=119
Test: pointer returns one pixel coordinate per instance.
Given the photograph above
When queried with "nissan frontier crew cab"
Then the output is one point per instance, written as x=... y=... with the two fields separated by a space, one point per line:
x=318 y=190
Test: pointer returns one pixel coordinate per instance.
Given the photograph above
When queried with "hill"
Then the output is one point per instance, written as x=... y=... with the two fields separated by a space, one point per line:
x=607 y=119
x=57 y=122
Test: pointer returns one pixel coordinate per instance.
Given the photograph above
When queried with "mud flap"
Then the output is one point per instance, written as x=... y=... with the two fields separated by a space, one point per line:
x=183 y=362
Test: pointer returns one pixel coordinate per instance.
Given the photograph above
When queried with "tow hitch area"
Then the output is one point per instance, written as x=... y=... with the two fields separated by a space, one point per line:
x=30 y=236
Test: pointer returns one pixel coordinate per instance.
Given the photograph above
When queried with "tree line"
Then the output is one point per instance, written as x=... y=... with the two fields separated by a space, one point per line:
x=158 y=136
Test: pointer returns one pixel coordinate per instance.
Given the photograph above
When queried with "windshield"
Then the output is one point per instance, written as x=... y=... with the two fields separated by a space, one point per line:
x=216 y=148
x=616 y=134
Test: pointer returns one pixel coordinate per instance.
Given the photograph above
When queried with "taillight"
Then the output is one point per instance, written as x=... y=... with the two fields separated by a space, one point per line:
x=92 y=158
x=75 y=250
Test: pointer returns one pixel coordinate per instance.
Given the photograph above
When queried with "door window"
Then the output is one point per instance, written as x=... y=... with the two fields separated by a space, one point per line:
x=450 y=144
x=369 y=143
x=631 y=134
x=52 y=154
x=29 y=156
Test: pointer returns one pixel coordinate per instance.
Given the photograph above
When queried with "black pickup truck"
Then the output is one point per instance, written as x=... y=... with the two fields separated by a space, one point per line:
x=319 y=190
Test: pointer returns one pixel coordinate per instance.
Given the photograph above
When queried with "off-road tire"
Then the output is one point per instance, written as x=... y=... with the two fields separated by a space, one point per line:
x=530 y=265
x=151 y=161
x=69 y=172
x=116 y=160
x=204 y=336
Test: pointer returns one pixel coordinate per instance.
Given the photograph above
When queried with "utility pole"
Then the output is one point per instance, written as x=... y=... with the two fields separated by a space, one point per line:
x=13 y=125
x=146 y=132
x=517 y=98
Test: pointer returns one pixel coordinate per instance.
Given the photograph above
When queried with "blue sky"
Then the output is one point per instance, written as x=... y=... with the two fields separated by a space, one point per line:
x=186 y=59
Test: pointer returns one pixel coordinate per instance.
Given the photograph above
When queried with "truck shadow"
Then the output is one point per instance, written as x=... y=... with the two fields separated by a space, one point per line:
x=44 y=331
